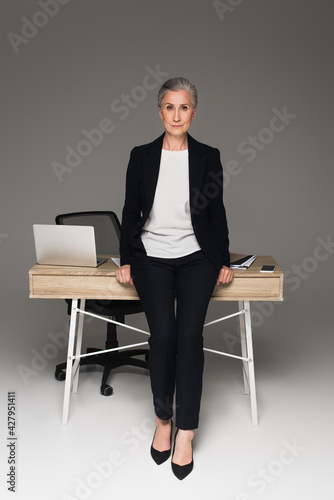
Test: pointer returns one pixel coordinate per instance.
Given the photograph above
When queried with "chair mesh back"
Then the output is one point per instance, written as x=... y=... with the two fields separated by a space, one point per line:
x=106 y=226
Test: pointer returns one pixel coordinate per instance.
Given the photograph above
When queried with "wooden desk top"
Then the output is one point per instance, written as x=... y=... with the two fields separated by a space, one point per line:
x=66 y=282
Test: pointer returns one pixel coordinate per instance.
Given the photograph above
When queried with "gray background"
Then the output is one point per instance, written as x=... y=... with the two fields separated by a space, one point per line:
x=256 y=56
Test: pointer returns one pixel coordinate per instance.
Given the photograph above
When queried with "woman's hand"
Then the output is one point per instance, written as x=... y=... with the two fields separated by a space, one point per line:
x=225 y=275
x=123 y=274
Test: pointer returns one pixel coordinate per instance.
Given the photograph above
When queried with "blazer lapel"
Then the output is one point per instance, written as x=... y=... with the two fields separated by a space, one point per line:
x=151 y=168
x=197 y=162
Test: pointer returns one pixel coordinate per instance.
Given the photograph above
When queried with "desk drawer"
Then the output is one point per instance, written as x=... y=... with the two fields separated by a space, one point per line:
x=80 y=287
x=108 y=288
x=253 y=288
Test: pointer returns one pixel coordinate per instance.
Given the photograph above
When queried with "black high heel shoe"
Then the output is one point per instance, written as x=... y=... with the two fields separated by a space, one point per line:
x=161 y=456
x=182 y=471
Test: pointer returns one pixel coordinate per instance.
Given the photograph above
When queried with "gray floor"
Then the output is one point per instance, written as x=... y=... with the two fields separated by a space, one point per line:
x=103 y=452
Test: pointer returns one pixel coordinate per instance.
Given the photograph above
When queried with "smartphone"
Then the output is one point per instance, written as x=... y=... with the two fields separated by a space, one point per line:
x=267 y=269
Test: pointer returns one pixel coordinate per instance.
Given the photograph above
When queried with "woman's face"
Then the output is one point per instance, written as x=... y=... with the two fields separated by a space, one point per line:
x=177 y=112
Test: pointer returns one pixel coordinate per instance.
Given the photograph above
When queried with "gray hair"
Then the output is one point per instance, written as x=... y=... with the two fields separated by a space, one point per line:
x=174 y=84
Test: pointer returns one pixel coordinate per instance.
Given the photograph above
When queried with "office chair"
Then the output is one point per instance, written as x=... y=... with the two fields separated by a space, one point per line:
x=107 y=234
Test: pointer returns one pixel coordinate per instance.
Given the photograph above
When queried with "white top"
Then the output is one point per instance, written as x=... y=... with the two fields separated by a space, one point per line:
x=168 y=231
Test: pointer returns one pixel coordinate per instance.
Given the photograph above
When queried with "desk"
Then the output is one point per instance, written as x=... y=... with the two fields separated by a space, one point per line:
x=82 y=283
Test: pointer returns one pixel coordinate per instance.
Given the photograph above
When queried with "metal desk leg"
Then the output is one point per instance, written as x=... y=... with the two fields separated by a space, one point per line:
x=251 y=372
x=76 y=365
x=70 y=349
x=245 y=370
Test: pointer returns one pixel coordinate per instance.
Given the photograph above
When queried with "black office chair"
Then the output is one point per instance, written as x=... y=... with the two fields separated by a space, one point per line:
x=107 y=233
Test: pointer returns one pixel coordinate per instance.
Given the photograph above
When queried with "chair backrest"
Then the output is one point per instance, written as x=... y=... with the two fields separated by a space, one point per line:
x=106 y=225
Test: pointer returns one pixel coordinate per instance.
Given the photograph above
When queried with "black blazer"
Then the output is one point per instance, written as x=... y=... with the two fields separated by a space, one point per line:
x=205 y=196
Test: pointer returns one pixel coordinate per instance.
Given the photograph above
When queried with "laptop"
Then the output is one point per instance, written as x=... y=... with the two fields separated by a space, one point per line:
x=66 y=245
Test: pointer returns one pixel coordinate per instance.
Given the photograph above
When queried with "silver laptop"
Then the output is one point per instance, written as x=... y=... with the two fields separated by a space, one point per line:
x=66 y=245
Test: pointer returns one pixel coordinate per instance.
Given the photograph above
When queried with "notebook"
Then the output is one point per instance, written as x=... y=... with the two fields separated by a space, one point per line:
x=66 y=245
x=239 y=261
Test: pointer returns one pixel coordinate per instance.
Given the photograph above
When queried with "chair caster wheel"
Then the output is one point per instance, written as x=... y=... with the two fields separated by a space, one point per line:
x=60 y=375
x=106 y=390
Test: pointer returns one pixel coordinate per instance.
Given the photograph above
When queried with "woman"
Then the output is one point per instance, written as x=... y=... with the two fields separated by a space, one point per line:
x=174 y=245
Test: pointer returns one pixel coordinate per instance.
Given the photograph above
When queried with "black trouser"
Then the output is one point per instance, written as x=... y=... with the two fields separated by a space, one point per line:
x=176 y=343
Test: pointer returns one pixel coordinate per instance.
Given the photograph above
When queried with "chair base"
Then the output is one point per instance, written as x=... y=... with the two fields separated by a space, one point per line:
x=109 y=361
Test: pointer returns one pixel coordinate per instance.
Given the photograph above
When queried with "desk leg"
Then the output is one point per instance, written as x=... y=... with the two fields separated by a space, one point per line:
x=76 y=366
x=251 y=372
x=69 y=364
x=245 y=370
